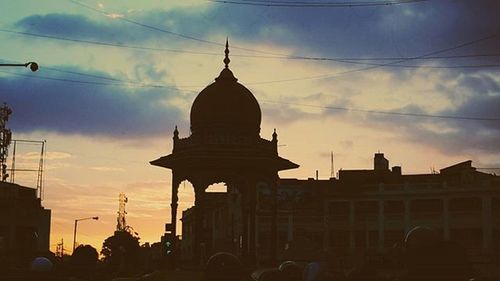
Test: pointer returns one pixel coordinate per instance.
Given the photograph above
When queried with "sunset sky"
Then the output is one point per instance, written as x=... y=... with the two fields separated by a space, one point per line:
x=116 y=77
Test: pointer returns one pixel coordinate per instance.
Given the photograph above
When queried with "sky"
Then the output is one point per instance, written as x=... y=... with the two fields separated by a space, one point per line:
x=418 y=81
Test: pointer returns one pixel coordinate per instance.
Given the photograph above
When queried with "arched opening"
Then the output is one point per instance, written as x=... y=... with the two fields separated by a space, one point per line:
x=184 y=209
x=217 y=187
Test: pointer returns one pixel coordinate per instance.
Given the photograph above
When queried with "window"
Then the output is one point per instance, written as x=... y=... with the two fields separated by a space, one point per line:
x=391 y=237
x=465 y=205
x=360 y=239
x=426 y=206
x=339 y=239
x=394 y=207
x=340 y=208
x=495 y=206
x=496 y=240
x=366 y=209
x=469 y=238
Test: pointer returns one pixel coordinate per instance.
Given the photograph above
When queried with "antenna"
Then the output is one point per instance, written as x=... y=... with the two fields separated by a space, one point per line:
x=39 y=170
x=5 y=139
x=39 y=182
x=332 y=167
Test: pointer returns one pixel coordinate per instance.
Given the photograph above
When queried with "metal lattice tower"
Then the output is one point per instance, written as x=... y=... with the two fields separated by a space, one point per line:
x=5 y=139
x=121 y=223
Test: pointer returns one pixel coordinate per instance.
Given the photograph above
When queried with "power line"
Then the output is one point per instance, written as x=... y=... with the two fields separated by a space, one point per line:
x=443 y=50
x=123 y=82
x=163 y=30
x=349 y=60
x=385 y=112
x=283 y=103
x=288 y=57
x=185 y=36
x=107 y=44
x=316 y=4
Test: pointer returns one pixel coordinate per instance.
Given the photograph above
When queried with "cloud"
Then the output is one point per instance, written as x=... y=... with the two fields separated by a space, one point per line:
x=82 y=27
x=107 y=169
x=454 y=136
x=49 y=155
x=117 y=111
x=399 y=30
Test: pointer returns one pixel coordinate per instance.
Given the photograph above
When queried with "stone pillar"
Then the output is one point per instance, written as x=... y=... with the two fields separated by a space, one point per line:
x=244 y=227
x=381 y=228
x=199 y=237
x=173 y=204
x=406 y=216
x=274 y=218
x=446 y=219
x=252 y=253
x=326 y=226
x=352 y=233
x=487 y=223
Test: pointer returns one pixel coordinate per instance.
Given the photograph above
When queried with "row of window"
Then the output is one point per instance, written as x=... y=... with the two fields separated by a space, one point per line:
x=370 y=207
x=469 y=238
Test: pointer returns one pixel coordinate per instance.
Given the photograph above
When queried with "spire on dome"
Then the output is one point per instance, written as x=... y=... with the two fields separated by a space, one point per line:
x=226 y=74
x=226 y=59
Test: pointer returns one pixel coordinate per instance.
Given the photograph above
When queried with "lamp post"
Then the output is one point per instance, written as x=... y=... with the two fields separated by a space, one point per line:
x=33 y=65
x=76 y=225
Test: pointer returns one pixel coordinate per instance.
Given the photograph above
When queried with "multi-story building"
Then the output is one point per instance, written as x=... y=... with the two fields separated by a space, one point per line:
x=364 y=213
x=371 y=210
x=24 y=222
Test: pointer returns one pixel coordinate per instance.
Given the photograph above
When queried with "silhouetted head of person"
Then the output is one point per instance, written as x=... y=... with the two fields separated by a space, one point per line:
x=223 y=266
x=313 y=271
x=420 y=245
x=428 y=256
x=290 y=270
x=267 y=274
x=41 y=264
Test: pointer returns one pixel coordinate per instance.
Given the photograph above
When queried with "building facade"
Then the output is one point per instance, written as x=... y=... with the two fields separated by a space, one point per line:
x=365 y=214
x=24 y=222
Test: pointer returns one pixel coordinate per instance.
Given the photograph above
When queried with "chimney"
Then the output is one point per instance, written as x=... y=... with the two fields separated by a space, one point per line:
x=396 y=170
x=380 y=163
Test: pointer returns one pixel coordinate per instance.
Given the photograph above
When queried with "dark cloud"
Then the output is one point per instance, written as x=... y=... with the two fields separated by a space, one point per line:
x=399 y=30
x=86 y=109
x=453 y=136
x=481 y=84
x=81 y=27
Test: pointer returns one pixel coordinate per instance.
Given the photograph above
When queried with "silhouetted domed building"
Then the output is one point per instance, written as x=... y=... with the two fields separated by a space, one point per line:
x=224 y=146
x=225 y=106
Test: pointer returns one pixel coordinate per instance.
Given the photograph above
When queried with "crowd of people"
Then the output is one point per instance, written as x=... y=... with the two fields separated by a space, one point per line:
x=423 y=256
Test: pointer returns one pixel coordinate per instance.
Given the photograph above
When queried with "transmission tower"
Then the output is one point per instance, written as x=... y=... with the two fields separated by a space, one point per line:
x=60 y=249
x=5 y=139
x=121 y=223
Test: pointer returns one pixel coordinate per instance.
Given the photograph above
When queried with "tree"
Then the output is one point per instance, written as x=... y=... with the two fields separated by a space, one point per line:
x=122 y=251
x=84 y=255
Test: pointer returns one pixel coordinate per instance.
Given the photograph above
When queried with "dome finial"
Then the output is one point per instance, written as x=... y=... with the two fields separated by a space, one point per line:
x=226 y=59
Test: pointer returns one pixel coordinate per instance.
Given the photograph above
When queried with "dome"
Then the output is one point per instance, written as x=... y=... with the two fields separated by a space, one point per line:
x=225 y=106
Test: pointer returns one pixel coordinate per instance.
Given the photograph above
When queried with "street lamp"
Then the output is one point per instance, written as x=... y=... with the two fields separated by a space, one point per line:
x=33 y=65
x=76 y=225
